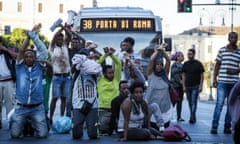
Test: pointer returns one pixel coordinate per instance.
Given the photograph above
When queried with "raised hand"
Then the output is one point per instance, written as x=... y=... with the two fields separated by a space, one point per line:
x=111 y=50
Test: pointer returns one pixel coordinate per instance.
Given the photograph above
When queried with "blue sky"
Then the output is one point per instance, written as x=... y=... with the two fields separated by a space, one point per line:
x=174 y=22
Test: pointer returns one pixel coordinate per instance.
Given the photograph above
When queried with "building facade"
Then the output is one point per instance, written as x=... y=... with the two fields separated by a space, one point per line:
x=26 y=13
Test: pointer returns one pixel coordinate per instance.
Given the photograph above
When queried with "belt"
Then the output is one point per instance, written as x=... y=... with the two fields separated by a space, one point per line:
x=29 y=105
x=62 y=74
x=9 y=79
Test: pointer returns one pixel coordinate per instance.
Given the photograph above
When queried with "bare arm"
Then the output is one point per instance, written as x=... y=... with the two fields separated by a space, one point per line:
x=126 y=109
x=54 y=39
x=68 y=34
x=201 y=82
x=167 y=64
x=22 y=49
x=215 y=73
x=12 y=53
x=151 y=62
x=183 y=81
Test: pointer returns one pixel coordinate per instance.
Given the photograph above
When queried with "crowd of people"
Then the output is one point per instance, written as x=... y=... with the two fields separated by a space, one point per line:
x=110 y=99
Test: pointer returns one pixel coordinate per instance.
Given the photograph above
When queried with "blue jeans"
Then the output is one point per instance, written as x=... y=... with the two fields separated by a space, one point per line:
x=78 y=120
x=36 y=116
x=192 y=97
x=223 y=91
x=62 y=86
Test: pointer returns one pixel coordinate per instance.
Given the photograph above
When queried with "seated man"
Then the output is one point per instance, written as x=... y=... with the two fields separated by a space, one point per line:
x=116 y=103
x=29 y=91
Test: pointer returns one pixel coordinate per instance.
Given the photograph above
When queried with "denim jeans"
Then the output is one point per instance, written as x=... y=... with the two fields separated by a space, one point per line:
x=36 y=116
x=192 y=97
x=78 y=120
x=223 y=91
x=7 y=89
x=62 y=86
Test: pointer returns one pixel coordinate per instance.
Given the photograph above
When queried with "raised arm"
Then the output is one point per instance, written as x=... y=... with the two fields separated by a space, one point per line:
x=151 y=62
x=167 y=64
x=118 y=67
x=68 y=34
x=11 y=53
x=22 y=49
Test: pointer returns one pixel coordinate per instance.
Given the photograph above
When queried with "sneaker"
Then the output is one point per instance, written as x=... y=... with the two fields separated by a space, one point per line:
x=227 y=130
x=180 y=119
x=161 y=129
x=214 y=130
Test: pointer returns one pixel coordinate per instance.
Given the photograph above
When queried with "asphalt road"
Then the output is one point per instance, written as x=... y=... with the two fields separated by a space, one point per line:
x=199 y=132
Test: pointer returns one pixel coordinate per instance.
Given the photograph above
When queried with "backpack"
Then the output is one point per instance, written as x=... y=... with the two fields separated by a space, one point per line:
x=175 y=133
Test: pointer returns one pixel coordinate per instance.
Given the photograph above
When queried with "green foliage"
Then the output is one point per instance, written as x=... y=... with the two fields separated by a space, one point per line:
x=16 y=38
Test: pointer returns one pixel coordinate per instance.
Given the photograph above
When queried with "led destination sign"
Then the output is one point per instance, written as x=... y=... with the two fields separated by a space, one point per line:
x=117 y=24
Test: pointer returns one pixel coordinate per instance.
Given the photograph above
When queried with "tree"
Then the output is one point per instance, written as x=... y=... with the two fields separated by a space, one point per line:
x=16 y=38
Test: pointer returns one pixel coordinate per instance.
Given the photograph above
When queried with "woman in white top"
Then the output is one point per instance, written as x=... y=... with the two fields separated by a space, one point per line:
x=134 y=120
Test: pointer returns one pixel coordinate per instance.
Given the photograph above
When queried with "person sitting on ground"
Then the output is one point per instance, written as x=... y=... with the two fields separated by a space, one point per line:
x=108 y=88
x=116 y=103
x=158 y=89
x=134 y=118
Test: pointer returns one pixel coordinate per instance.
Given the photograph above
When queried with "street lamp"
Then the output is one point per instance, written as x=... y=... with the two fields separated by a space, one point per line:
x=211 y=19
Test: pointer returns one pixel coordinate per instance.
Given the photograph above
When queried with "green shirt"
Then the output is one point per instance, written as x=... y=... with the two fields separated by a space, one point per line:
x=107 y=90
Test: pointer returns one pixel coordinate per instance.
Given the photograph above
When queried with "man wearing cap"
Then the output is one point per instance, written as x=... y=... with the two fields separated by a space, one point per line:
x=29 y=90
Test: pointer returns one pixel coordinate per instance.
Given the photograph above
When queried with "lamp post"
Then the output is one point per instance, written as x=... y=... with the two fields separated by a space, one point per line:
x=211 y=19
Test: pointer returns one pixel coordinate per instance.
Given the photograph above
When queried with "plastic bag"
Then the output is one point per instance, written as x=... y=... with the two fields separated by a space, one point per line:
x=62 y=125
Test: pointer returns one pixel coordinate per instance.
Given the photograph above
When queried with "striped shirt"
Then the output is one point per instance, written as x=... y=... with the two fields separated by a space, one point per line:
x=228 y=60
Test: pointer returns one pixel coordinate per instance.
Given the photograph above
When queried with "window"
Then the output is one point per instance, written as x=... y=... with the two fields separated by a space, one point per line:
x=19 y=7
x=40 y=7
x=0 y=6
x=61 y=8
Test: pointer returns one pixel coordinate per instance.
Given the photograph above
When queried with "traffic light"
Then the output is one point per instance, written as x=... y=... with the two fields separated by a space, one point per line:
x=188 y=5
x=184 y=6
x=180 y=5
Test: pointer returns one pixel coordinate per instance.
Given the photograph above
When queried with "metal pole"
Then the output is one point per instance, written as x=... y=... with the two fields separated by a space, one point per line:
x=232 y=17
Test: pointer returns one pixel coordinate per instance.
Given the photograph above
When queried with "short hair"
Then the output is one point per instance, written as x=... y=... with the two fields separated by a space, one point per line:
x=232 y=33
x=129 y=40
x=192 y=50
x=105 y=67
x=135 y=85
x=122 y=82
